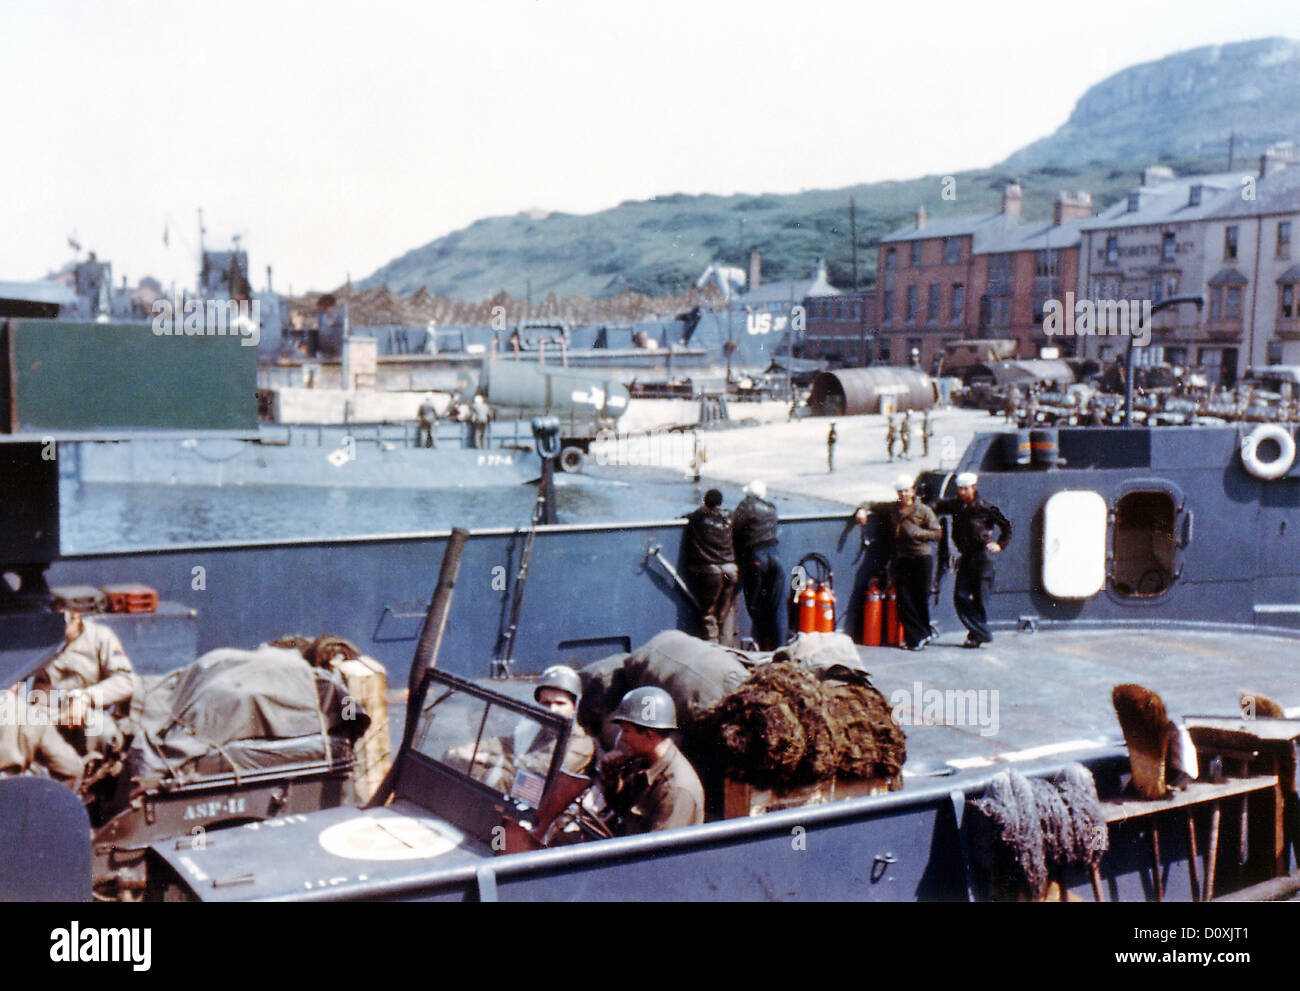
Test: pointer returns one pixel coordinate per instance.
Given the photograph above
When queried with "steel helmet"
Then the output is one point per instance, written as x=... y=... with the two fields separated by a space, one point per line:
x=559 y=676
x=650 y=708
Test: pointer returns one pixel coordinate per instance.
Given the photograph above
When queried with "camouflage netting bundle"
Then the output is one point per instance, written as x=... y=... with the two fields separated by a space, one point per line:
x=774 y=729
x=871 y=743
x=1079 y=792
x=1007 y=838
x=319 y=652
x=1021 y=827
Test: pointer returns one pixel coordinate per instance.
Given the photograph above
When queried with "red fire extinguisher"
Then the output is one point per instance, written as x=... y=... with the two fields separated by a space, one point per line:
x=808 y=608
x=893 y=628
x=825 y=608
x=871 y=615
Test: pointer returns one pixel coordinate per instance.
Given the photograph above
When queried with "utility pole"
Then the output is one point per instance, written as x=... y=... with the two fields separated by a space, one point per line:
x=853 y=239
x=1232 y=139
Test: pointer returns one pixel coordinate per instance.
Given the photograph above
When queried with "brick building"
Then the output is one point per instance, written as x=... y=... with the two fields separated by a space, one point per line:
x=840 y=329
x=974 y=276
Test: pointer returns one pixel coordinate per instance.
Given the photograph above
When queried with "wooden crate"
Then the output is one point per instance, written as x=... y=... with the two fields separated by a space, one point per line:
x=367 y=682
x=739 y=799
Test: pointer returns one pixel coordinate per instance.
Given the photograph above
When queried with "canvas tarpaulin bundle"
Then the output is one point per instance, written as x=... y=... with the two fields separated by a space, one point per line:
x=229 y=696
x=696 y=673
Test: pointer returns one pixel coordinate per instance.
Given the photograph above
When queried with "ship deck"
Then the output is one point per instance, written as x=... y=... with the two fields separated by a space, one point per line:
x=1046 y=695
x=1049 y=692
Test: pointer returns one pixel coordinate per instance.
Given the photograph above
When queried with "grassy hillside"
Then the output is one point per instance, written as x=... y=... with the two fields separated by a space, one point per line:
x=659 y=247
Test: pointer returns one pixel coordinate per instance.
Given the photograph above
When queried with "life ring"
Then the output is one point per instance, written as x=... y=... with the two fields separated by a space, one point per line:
x=571 y=459
x=1268 y=470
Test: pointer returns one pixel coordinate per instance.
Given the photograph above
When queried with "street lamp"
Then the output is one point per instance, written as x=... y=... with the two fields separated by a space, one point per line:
x=1197 y=300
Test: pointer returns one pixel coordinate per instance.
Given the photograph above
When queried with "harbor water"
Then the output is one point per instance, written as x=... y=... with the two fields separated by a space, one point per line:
x=98 y=517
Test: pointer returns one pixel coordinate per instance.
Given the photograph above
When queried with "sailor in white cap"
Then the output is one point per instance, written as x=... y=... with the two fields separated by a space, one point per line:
x=761 y=576
x=980 y=531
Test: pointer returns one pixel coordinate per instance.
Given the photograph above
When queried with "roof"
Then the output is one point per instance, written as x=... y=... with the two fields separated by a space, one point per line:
x=1228 y=277
x=53 y=293
x=1277 y=192
x=1169 y=202
x=795 y=290
x=1033 y=236
x=963 y=224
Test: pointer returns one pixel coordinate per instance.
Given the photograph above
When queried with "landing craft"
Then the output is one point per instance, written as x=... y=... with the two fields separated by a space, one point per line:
x=1161 y=556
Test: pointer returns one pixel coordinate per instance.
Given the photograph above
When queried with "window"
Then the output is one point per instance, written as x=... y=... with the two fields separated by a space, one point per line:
x=951 y=251
x=1286 y=308
x=1284 y=239
x=932 y=316
x=958 y=301
x=1232 y=307
x=916 y=252
x=911 y=304
x=1047 y=262
x=1216 y=304
x=1112 y=249
x=1134 y=201
x=887 y=306
x=1167 y=247
x=1157 y=288
x=1229 y=243
x=857 y=311
x=891 y=258
x=1143 y=555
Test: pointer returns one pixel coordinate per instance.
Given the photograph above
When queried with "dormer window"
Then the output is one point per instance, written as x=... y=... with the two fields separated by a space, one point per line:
x=1194 y=195
x=1134 y=201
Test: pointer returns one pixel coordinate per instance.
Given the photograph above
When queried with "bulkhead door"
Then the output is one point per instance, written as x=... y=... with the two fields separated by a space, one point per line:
x=1074 y=544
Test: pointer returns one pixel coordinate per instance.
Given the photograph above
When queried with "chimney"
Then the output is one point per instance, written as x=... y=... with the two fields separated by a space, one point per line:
x=755 y=268
x=920 y=217
x=1011 y=197
x=1071 y=206
x=1153 y=174
x=268 y=279
x=1277 y=157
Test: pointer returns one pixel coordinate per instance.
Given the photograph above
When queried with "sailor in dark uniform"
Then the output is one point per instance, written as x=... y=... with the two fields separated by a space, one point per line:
x=761 y=574
x=980 y=531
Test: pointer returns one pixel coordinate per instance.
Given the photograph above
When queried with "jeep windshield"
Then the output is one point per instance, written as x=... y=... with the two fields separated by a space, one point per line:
x=501 y=744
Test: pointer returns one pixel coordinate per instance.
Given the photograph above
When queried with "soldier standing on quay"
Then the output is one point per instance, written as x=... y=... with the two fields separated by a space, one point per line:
x=905 y=435
x=831 y=438
x=891 y=437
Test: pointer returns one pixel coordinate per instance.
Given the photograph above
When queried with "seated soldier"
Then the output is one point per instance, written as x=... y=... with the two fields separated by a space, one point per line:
x=647 y=782
x=558 y=690
x=31 y=744
x=92 y=682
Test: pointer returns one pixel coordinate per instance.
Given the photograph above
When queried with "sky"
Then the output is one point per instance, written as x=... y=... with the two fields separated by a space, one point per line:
x=332 y=137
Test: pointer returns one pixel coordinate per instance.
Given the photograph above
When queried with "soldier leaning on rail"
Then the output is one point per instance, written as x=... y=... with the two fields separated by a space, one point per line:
x=761 y=575
x=711 y=567
x=94 y=676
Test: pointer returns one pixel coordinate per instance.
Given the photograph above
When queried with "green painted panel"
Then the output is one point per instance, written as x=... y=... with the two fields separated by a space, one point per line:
x=86 y=376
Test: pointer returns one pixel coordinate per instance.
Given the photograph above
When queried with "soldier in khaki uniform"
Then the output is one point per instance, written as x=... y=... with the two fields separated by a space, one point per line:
x=94 y=680
x=647 y=781
x=29 y=741
x=558 y=690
